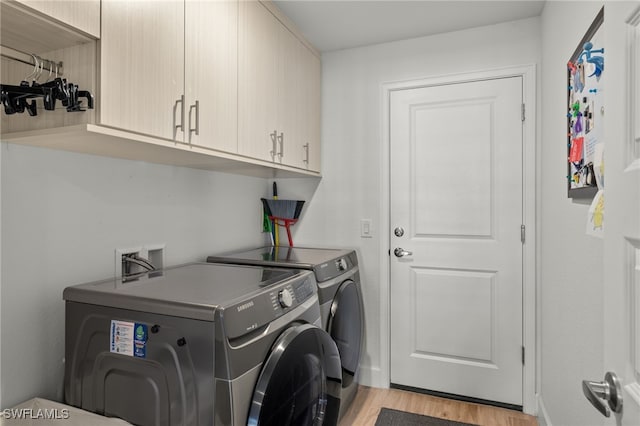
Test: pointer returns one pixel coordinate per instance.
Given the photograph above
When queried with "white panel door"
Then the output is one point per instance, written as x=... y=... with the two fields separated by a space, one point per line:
x=621 y=321
x=456 y=193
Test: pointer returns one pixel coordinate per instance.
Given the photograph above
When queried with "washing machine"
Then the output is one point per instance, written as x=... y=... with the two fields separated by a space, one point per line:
x=202 y=344
x=339 y=291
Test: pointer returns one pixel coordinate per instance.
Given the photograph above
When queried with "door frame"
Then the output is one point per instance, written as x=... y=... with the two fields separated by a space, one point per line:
x=531 y=329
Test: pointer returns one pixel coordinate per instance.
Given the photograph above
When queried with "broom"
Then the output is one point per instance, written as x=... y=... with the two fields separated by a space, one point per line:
x=286 y=211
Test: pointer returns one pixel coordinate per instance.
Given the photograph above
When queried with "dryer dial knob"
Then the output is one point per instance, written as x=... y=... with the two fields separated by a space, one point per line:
x=285 y=298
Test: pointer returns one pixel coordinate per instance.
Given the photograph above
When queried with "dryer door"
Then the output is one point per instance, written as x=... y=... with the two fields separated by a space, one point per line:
x=300 y=381
x=346 y=328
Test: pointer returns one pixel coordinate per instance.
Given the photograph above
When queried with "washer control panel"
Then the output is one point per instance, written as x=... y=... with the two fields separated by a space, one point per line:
x=285 y=298
x=335 y=267
x=291 y=295
x=274 y=301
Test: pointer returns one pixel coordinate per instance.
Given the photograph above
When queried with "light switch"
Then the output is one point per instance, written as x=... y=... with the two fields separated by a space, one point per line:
x=366 y=230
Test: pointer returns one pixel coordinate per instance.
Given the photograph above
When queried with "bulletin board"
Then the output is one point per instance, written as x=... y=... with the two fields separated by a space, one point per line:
x=585 y=113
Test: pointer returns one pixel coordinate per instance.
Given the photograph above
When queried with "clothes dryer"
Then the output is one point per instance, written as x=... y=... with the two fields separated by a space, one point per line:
x=339 y=291
x=202 y=344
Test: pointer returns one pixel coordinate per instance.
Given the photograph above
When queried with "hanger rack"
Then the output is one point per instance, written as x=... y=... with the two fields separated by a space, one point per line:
x=25 y=58
x=15 y=99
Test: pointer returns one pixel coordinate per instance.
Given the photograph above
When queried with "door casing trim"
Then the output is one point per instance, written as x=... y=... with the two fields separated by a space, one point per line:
x=530 y=331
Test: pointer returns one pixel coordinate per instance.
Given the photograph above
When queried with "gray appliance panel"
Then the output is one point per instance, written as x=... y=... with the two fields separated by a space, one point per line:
x=327 y=289
x=173 y=381
x=241 y=354
x=195 y=290
x=238 y=372
x=325 y=263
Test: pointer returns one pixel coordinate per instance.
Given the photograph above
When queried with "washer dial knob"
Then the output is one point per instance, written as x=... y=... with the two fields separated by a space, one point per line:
x=341 y=264
x=285 y=298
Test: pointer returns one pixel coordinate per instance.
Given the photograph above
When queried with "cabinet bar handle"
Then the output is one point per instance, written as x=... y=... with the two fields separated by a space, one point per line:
x=181 y=102
x=274 y=137
x=306 y=150
x=197 y=129
x=281 y=141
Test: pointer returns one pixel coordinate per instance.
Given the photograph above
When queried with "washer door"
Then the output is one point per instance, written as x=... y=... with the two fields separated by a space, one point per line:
x=345 y=326
x=300 y=381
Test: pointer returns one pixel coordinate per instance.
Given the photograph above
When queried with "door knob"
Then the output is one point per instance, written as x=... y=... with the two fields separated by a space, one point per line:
x=609 y=391
x=400 y=252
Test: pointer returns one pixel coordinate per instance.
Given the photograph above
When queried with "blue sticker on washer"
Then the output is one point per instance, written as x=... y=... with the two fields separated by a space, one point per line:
x=140 y=341
x=128 y=338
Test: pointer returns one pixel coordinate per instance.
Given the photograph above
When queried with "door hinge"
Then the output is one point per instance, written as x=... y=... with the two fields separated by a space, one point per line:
x=522 y=233
x=523 y=115
x=523 y=355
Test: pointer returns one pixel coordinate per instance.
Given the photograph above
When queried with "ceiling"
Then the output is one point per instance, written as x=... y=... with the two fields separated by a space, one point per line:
x=342 y=24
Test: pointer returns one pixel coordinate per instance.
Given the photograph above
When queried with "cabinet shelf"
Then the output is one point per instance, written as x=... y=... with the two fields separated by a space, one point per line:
x=31 y=31
x=109 y=142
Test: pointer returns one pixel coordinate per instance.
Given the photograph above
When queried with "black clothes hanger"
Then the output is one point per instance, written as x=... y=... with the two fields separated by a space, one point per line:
x=15 y=99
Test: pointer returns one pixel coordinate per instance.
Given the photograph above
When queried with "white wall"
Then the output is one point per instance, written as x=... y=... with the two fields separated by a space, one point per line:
x=63 y=214
x=571 y=306
x=352 y=141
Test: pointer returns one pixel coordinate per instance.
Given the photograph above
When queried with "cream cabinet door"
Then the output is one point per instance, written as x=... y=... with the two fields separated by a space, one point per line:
x=279 y=92
x=142 y=67
x=211 y=74
x=309 y=107
x=259 y=81
x=289 y=83
x=299 y=109
x=80 y=14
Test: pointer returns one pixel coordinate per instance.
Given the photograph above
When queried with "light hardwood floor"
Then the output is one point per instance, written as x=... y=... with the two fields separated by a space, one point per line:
x=368 y=401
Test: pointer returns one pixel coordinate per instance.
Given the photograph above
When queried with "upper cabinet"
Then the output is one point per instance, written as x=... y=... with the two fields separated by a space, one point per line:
x=42 y=40
x=211 y=81
x=227 y=85
x=304 y=109
x=279 y=92
x=259 y=82
x=142 y=67
x=169 y=69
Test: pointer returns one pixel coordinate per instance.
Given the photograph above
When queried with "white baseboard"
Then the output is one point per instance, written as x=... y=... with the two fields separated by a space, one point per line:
x=372 y=377
x=543 y=416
